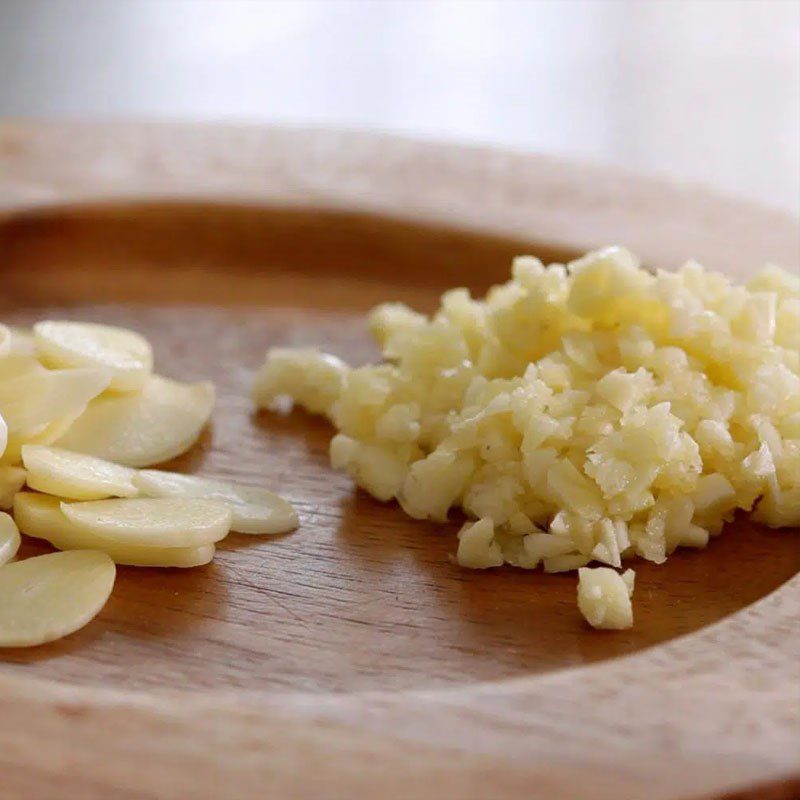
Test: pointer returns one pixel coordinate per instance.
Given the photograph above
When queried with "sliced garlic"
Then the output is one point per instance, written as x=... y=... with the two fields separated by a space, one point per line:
x=22 y=342
x=162 y=421
x=172 y=557
x=40 y=516
x=75 y=475
x=3 y=435
x=150 y=521
x=126 y=354
x=35 y=398
x=43 y=435
x=9 y=538
x=5 y=341
x=12 y=479
x=14 y=365
x=47 y=597
x=255 y=510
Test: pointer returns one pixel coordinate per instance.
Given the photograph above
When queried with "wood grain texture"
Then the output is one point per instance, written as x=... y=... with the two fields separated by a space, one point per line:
x=351 y=658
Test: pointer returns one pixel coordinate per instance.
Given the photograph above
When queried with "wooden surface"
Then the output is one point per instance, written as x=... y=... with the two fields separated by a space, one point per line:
x=351 y=658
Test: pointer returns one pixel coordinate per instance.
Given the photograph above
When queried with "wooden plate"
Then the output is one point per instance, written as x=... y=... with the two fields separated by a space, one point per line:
x=351 y=658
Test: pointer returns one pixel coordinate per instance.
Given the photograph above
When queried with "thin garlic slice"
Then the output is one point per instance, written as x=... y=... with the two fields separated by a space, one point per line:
x=43 y=435
x=604 y=597
x=5 y=340
x=40 y=516
x=15 y=366
x=3 y=435
x=34 y=398
x=76 y=476
x=162 y=421
x=47 y=597
x=255 y=510
x=126 y=354
x=22 y=341
x=157 y=522
x=12 y=479
x=9 y=538
x=20 y=357
x=172 y=557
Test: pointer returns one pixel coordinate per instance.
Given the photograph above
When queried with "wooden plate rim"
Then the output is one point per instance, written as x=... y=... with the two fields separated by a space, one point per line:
x=703 y=714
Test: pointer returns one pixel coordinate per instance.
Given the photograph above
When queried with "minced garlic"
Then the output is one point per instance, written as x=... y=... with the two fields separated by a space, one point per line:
x=592 y=411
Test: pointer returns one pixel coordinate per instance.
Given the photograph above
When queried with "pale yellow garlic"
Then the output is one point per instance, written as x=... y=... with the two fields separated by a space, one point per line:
x=143 y=428
x=76 y=476
x=37 y=398
x=9 y=538
x=604 y=597
x=631 y=411
x=12 y=479
x=48 y=597
x=156 y=522
x=254 y=510
x=125 y=354
x=41 y=517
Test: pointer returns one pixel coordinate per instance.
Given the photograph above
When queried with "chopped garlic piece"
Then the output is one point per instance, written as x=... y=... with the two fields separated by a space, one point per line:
x=604 y=597
x=313 y=379
x=477 y=548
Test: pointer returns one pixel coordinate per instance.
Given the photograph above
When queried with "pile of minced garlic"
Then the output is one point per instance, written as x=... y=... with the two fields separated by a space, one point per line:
x=587 y=412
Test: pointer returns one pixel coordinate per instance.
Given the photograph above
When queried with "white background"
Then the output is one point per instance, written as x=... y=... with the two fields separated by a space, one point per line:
x=704 y=90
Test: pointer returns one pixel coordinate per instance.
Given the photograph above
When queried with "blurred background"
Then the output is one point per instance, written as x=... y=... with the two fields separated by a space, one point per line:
x=702 y=90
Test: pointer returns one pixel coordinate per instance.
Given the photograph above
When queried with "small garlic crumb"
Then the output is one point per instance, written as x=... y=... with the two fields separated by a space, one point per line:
x=604 y=597
x=477 y=548
x=312 y=379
